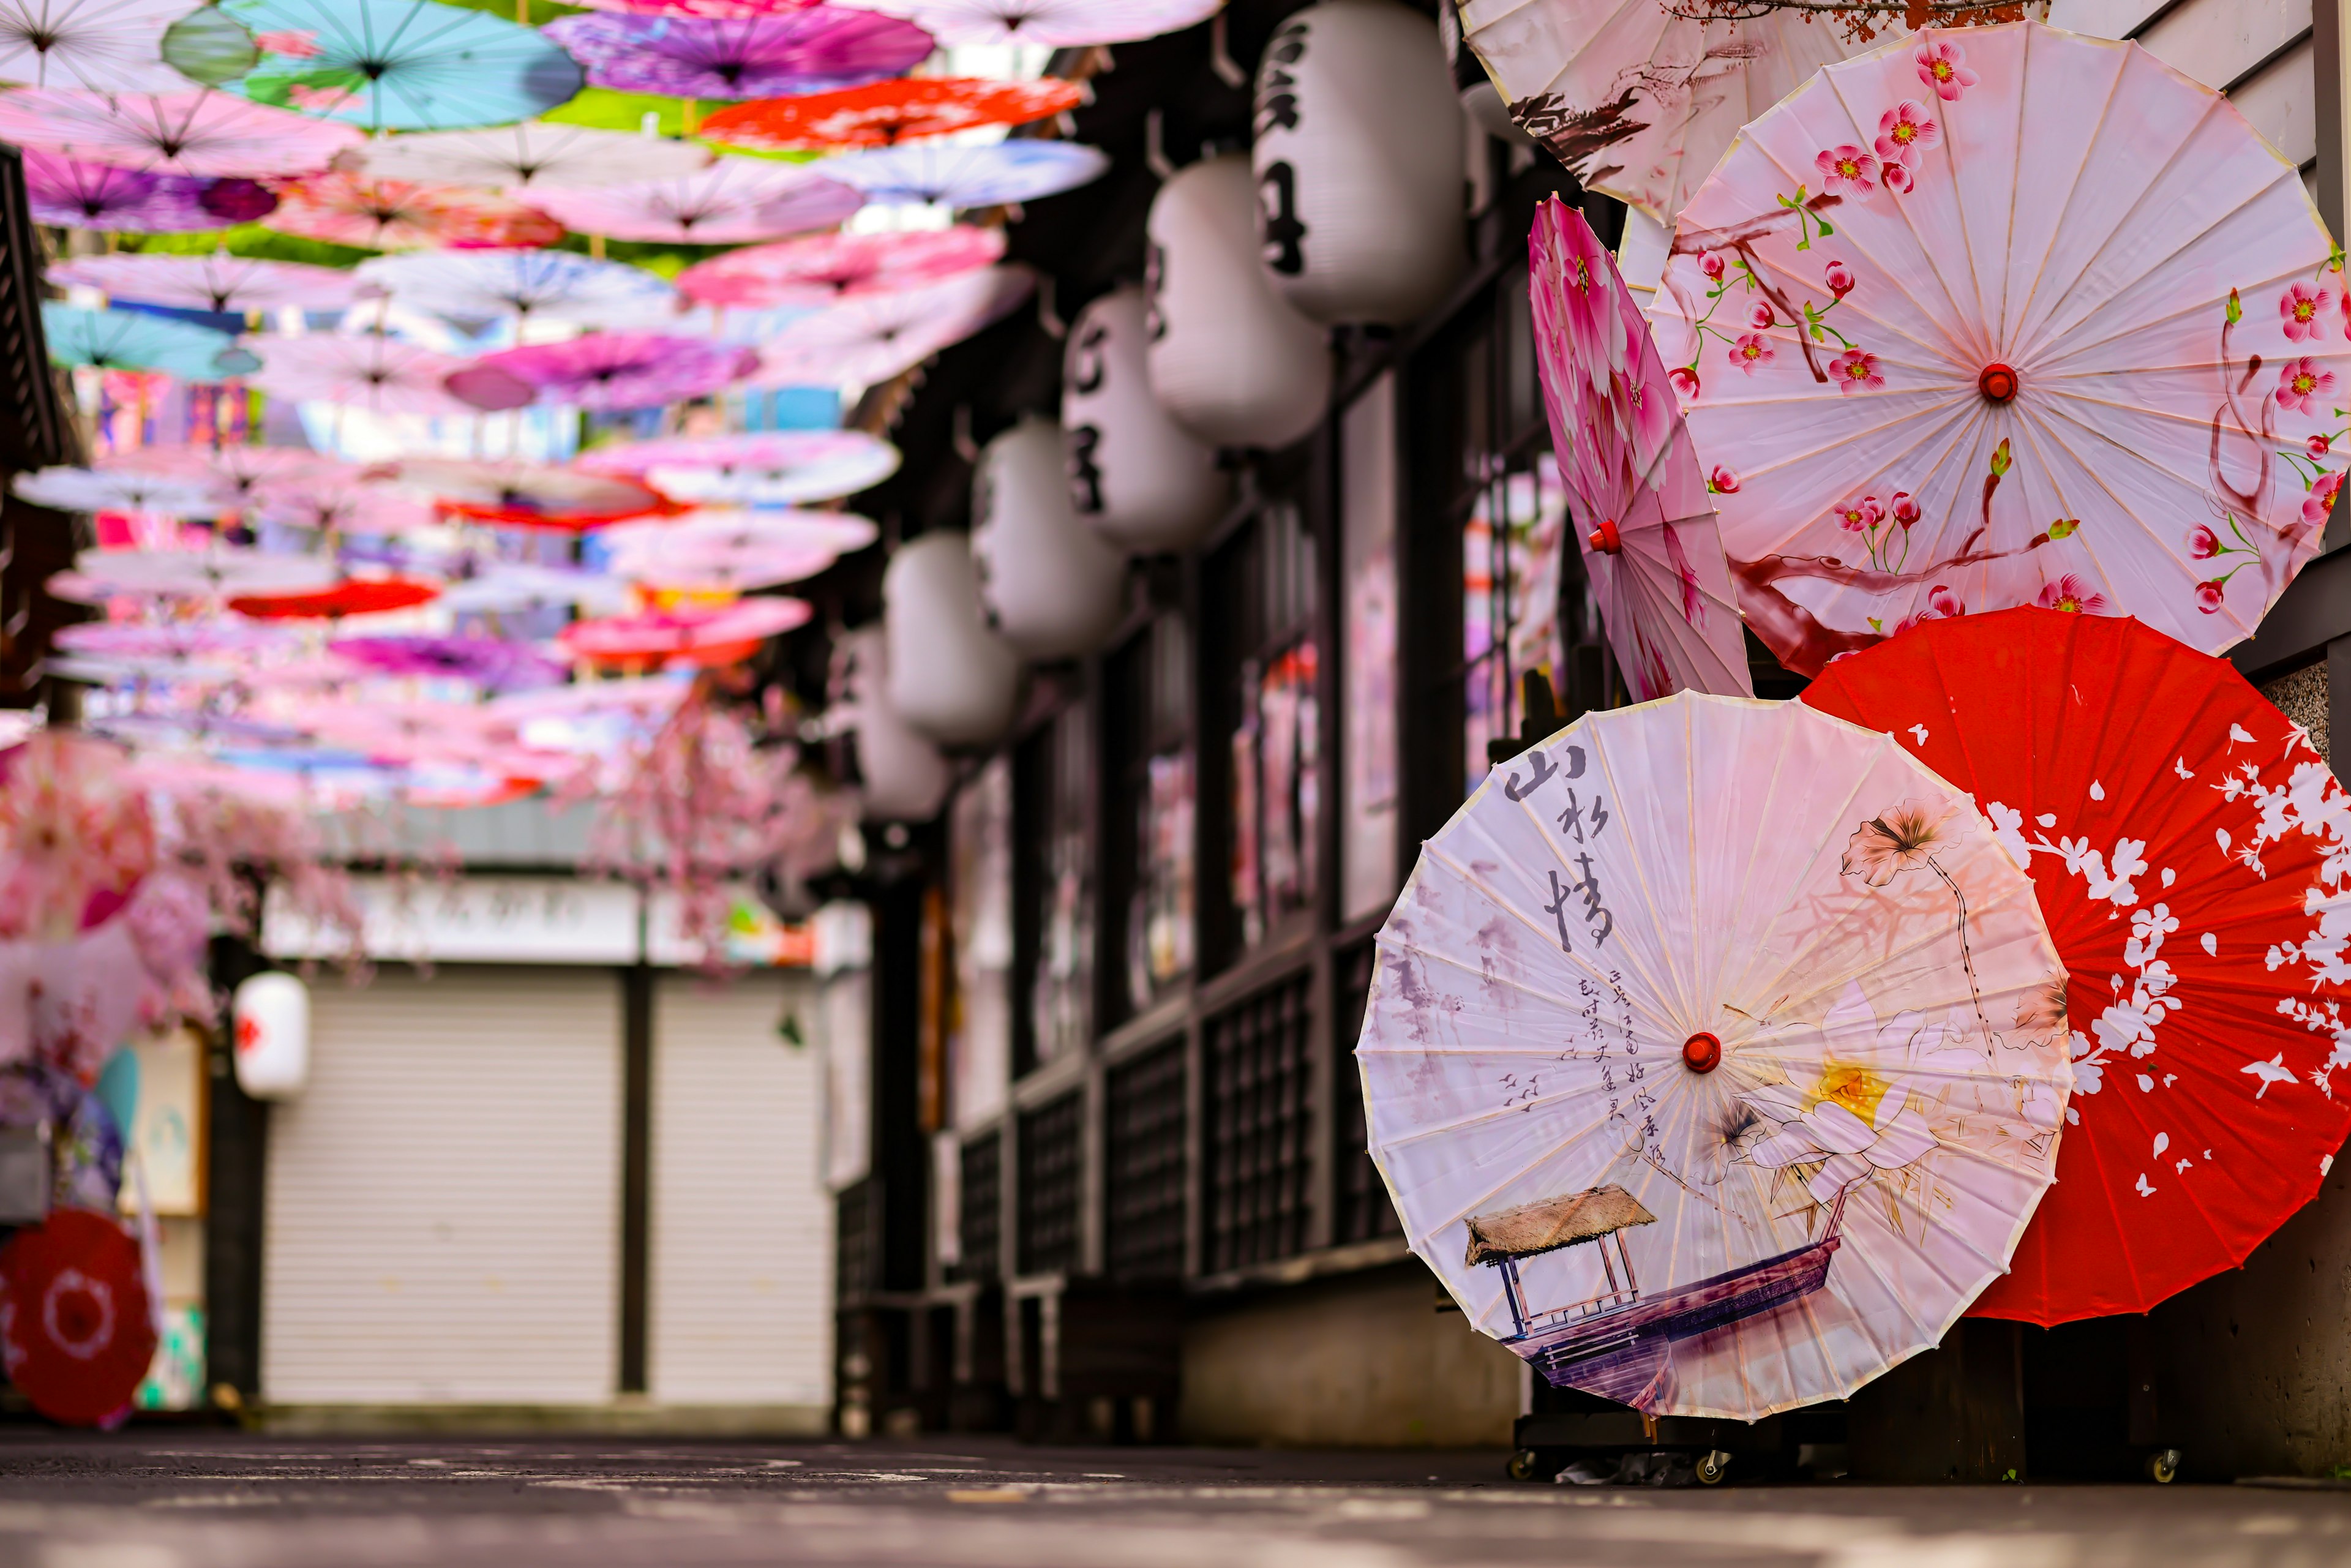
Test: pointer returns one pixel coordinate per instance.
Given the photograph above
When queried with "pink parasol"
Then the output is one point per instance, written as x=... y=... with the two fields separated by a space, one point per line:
x=219 y=282
x=775 y=467
x=171 y=639
x=695 y=636
x=172 y=132
x=536 y=155
x=73 y=193
x=394 y=215
x=733 y=200
x=380 y=374
x=604 y=370
x=1049 y=24
x=120 y=490
x=822 y=268
x=868 y=339
x=198 y=573
x=528 y=495
x=719 y=566
x=1952 y=340
x=813 y=48
x=490 y=663
x=1651 y=550
x=831 y=533
x=512 y=587
x=105 y=45
x=352 y=503
x=241 y=469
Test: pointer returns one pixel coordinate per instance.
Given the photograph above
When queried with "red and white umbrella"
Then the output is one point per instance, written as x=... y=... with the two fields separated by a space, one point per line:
x=2192 y=855
x=365 y=370
x=528 y=495
x=174 y=132
x=753 y=468
x=732 y=201
x=822 y=269
x=868 y=339
x=536 y=155
x=2008 y=316
x=397 y=214
x=711 y=637
x=219 y=282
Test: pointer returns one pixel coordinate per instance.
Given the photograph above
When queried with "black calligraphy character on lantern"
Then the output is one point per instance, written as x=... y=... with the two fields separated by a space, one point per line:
x=1278 y=220
x=1086 y=474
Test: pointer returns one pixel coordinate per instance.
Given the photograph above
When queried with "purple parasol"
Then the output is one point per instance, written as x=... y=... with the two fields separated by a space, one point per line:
x=818 y=50
x=488 y=662
x=604 y=370
x=71 y=193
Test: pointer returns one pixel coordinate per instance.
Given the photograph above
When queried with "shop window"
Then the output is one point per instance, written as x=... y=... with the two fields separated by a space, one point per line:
x=1052 y=1159
x=1261 y=1121
x=979 y=1005
x=980 y=1215
x=1154 y=791
x=1053 y=889
x=1143 y=1166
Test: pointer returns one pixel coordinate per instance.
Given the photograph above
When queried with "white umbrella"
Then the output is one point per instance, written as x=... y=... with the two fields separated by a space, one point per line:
x=105 y=45
x=835 y=533
x=121 y=490
x=218 y=282
x=536 y=155
x=241 y=469
x=732 y=201
x=781 y=467
x=551 y=285
x=220 y=570
x=870 y=338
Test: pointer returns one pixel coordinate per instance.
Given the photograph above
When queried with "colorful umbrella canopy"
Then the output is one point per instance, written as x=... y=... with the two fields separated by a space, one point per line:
x=1651 y=553
x=351 y=596
x=135 y=341
x=813 y=49
x=380 y=374
x=242 y=469
x=204 y=133
x=536 y=155
x=355 y=502
x=1051 y=24
x=488 y=662
x=171 y=639
x=509 y=587
x=197 y=573
x=2033 y=362
x=712 y=637
x=551 y=285
x=733 y=200
x=715 y=567
x=2188 y=849
x=754 y=469
x=604 y=370
x=1689 y=1061
x=68 y=193
x=400 y=64
x=219 y=282
x=966 y=176
x=1641 y=100
x=79 y=1331
x=393 y=214
x=832 y=533
x=889 y=112
x=868 y=339
x=104 y=45
x=528 y=495
x=820 y=268
x=121 y=490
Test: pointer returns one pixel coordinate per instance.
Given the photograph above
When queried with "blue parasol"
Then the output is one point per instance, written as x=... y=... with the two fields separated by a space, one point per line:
x=400 y=64
x=136 y=340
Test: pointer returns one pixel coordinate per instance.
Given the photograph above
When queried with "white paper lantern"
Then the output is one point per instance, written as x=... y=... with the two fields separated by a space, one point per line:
x=1231 y=359
x=903 y=778
x=1136 y=477
x=1052 y=587
x=271 y=1014
x=1359 y=163
x=949 y=674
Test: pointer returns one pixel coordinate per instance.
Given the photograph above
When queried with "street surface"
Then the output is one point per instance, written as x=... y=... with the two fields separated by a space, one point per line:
x=166 y=1497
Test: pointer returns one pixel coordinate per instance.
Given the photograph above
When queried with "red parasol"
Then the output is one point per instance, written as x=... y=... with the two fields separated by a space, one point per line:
x=352 y=596
x=76 y=1327
x=888 y=112
x=2192 y=856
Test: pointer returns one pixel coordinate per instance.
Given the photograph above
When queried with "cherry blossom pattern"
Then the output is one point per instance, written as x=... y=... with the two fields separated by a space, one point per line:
x=2299 y=312
x=2235 y=551
x=1847 y=171
x=1751 y=351
x=1721 y=482
x=2070 y=594
x=1942 y=66
x=2309 y=804
x=1904 y=132
x=2300 y=382
x=1855 y=371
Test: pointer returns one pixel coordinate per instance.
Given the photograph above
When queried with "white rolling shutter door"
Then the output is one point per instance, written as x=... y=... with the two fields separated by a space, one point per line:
x=740 y=1293
x=441 y=1222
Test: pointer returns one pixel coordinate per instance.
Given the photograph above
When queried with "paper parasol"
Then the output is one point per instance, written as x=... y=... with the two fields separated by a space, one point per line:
x=528 y=495
x=604 y=370
x=103 y=45
x=171 y=639
x=964 y=176
x=135 y=341
x=334 y=600
x=833 y=533
x=219 y=283
x=512 y=587
x=762 y=468
x=1724 y=991
x=393 y=214
x=734 y=200
x=71 y=193
x=198 y=573
x=550 y=285
x=709 y=560
x=79 y=1331
x=712 y=637
x=2190 y=849
x=820 y=268
x=813 y=49
x=1644 y=521
x=400 y=64
x=1639 y=100
x=2057 y=362
x=204 y=133
x=121 y=490
x=1050 y=24
x=242 y=469
x=868 y=339
x=889 y=112
x=488 y=662
x=536 y=155
x=380 y=374
x=355 y=502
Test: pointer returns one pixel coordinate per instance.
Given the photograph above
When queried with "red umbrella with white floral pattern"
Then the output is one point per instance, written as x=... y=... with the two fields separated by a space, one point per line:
x=2003 y=317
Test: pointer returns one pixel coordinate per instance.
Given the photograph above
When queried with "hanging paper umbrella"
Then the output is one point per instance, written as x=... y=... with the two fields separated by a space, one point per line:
x=1641 y=100
x=488 y=662
x=536 y=155
x=357 y=502
x=550 y=285
x=104 y=45
x=380 y=374
x=197 y=573
x=766 y=468
x=135 y=341
x=711 y=637
x=204 y=133
x=2188 y=858
x=820 y=268
x=1049 y=24
x=717 y=564
x=868 y=339
x=964 y=176
x=242 y=469
x=734 y=200
x=171 y=639
x=79 y=1331
x=813 y=48
x=889 y=112
x=68 y=193
x=333 y=601
x=1651 y=553
x=121 y=490
x=528 y=495
x=1689 y=1061
x=605 y=370
x=400 y=64
x=2130 y=411
x=515 y=586
x=832 y=533
x=391 y=215
x=218 y=283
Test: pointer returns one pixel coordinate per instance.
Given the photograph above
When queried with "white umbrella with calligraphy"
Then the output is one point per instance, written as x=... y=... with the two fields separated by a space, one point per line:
x=1708 y=1061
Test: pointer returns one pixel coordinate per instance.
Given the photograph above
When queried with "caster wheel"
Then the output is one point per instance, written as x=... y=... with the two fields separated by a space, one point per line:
x=1712 y=1467
x=2163 y=1467
x=1526 y=1465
